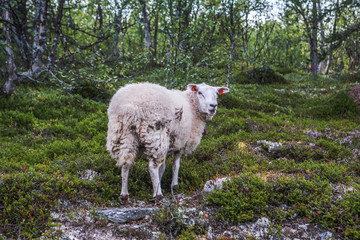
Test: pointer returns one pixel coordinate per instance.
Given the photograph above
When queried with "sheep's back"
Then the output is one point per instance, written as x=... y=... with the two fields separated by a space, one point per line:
x=152 y=100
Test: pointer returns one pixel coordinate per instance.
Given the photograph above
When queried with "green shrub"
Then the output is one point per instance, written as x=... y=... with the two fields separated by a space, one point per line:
x=28 y=197
x=241 y=199
x=18 y=120
x=230 y=101
x=300 y=152
x=345 y=214
x=285 y=69
x=265 y=75
x=347 y=77
x=305 y=196
x=240 y=77
x=339 y=104
x=91 y=88
x=170 y=220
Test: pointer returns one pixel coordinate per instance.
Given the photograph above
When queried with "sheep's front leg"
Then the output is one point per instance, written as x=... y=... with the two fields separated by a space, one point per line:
x=155 y=178
x=175 y=168
x=124 y=184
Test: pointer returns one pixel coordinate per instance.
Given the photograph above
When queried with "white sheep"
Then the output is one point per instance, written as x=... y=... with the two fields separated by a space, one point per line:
x=150 y=119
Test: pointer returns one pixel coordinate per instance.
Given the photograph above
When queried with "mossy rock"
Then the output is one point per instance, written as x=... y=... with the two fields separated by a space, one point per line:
x=355 y=94
x=265 y=75
x=92 y=89
x=284 y=70
x=339 y=104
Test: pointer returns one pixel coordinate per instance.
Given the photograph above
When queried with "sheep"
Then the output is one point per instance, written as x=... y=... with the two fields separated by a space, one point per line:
x=146 y=118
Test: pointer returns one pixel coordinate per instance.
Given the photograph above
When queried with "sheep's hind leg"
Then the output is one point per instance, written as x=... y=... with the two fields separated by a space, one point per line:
x=175 y=168
x=155 y=138
x=161 y=171
x=155 y=178
x=124 y=184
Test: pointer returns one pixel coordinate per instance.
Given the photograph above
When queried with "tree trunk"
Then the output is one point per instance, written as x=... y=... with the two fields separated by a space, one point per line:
x=146 y=23
x=20 y=33
x=353 y=55
x=99 y=17
x=57 y=26
x=255 y=46
x=123 y=44
x=329 y=59
x=322 y=34
x=313 y=40
x=117 y=34
x=246 y=53
x=156 y=36
x=245 y=39
x=10 y=84
x=40 y=41
x=116 y=43
x=231 y=53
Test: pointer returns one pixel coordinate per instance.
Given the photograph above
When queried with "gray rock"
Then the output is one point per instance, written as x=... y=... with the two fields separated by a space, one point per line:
x=213 y=185
x=89 y=175
x=124 y=215
x=270 y=146
x=326 y=236
x=263 y=222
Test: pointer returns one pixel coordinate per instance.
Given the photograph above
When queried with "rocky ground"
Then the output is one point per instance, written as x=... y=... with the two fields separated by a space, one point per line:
x=149 y=220
x=164 y=219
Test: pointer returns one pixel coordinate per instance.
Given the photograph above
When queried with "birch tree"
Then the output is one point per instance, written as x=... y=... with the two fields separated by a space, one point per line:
x=146 y=22
x=308 y=12
x=13 y=80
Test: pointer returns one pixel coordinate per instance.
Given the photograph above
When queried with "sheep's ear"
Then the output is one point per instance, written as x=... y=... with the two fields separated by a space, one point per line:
x=193 y=87
x=222 y=90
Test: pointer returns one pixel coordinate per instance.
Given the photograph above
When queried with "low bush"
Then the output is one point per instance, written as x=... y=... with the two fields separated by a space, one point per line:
x=242 y=199
x=246 y=197
x=285 y=69
x=265 y=75
x=28 y=197
x=339 y=104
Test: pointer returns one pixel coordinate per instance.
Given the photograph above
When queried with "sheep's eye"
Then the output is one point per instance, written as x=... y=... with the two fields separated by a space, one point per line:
x=200 y=93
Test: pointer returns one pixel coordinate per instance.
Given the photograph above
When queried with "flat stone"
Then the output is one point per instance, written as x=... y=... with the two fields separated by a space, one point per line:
x=124 y=215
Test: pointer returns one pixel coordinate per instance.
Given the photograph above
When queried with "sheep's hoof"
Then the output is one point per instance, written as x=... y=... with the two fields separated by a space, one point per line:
x=175 y=187
x=157 y=199
x=124 y=197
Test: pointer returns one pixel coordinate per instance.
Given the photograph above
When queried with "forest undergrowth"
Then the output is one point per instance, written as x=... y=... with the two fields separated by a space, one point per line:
x=50 y=138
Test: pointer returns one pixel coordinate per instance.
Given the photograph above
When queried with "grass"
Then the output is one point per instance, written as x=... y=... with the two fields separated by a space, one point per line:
x=48 y=139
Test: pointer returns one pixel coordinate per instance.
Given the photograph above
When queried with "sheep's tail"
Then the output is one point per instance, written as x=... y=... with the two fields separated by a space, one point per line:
x=122 y=139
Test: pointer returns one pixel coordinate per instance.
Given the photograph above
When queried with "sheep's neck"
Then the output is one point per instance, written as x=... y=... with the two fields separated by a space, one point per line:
x=197 y=127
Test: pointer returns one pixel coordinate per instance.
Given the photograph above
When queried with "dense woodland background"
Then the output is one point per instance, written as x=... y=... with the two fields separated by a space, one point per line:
x=52 y=41
x=287 y=134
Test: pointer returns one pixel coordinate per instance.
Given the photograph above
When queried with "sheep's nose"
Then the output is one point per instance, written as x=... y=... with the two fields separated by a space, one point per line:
x=213 y=105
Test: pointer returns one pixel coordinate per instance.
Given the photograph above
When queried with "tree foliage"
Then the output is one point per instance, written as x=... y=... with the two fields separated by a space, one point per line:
x=40 y=38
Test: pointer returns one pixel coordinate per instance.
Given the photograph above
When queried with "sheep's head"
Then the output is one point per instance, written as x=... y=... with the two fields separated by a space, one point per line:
x=206 y=97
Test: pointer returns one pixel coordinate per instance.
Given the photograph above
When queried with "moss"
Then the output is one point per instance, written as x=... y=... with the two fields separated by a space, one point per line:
x=49 y=138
